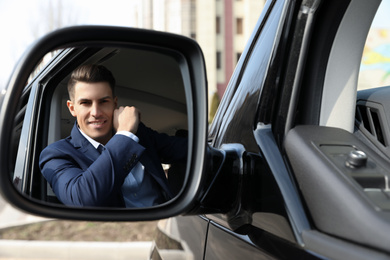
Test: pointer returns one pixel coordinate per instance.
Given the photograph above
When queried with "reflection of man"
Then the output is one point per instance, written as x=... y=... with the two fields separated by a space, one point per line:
x=95 y=166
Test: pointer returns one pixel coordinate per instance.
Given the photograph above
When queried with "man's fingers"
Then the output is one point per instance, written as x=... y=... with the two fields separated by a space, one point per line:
x=128 y=118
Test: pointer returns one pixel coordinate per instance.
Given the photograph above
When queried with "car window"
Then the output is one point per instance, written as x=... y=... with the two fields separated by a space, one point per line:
x=237 y=75
x=375 y=64
x=250 y=85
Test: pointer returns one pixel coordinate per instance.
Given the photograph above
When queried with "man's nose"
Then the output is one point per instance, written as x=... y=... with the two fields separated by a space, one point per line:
x=95 y=110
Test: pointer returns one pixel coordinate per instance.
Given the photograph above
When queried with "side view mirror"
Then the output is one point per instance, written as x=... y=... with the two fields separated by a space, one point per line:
x=161 y=74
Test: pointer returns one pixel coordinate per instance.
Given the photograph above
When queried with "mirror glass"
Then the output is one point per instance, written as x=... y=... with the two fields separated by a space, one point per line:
x=130 y=172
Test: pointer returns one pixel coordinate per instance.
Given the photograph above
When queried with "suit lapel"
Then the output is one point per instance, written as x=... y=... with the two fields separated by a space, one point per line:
x=82 y=144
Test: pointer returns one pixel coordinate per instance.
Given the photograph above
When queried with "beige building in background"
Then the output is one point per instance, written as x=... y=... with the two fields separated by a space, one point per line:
x=221 y=27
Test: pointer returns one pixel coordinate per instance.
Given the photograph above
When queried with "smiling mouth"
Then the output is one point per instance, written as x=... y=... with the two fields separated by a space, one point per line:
x=99 y=123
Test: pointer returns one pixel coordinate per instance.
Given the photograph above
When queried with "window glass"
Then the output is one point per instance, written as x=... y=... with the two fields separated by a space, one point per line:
x=219 y=60
x=238 y=115
x=218 y=25
x=239 y=26
x=375 y=65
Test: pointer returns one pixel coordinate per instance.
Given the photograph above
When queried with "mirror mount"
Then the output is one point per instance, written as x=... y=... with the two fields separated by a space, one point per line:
x=231 y=186
x=223 y=179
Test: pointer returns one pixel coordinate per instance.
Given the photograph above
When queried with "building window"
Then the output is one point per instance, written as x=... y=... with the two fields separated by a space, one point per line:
x=219 y=60
x=239 y=26
x=218 y=25
x=238 y=55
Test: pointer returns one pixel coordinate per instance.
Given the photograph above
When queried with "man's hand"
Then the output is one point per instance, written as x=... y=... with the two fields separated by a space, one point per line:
x=126 y=119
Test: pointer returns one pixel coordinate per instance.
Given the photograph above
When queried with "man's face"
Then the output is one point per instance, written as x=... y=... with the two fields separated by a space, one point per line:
x=93 y=106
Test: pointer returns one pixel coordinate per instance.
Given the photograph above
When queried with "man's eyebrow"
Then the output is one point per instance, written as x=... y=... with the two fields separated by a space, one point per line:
x=83 y=100
x=88 y=100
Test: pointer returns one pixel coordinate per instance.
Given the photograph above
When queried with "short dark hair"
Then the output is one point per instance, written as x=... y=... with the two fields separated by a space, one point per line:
x=90 y=73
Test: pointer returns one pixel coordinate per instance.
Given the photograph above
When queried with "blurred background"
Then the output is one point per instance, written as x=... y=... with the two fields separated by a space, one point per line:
x=221 y=27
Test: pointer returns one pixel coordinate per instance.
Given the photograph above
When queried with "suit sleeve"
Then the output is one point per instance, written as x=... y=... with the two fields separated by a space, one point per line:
x=78 y=181
x=170 y=149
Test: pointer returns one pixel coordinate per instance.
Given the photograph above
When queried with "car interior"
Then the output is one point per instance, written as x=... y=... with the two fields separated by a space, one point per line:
x=341 y=164
x=162 y=109
x=362 y=109
x=372 y=118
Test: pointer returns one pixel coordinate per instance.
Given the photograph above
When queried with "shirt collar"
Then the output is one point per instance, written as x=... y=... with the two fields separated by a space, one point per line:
x=93 y=142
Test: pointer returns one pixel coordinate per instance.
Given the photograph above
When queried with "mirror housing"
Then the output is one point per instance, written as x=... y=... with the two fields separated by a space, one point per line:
x=193 y=69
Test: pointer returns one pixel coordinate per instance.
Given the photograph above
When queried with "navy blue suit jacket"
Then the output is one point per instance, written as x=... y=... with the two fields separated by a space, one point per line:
x=80 y=176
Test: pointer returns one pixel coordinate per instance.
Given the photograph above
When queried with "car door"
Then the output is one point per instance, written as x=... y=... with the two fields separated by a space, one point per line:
x=234 y=124
x=258 y=226
x=285 y=82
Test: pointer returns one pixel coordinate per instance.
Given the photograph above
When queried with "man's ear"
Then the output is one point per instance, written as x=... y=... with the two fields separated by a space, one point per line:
x=70 y=105
x=116 y=102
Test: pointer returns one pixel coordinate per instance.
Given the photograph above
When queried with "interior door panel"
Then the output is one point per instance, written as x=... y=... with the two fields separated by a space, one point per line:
x=344 y=183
